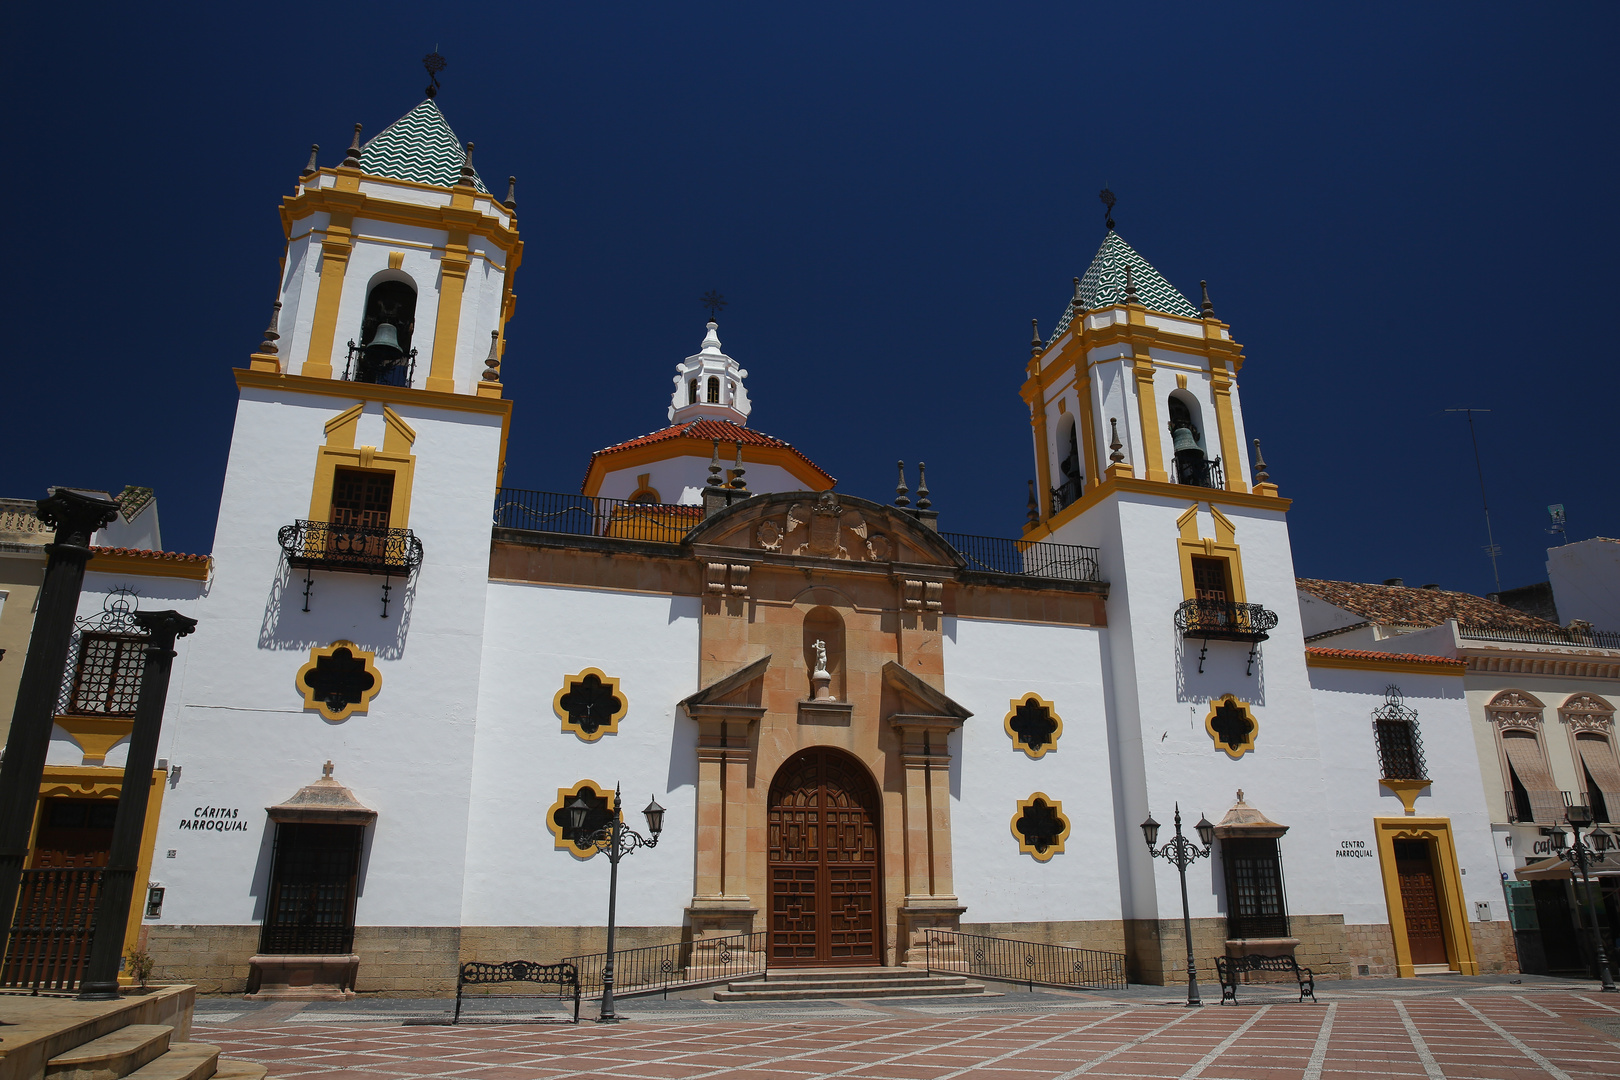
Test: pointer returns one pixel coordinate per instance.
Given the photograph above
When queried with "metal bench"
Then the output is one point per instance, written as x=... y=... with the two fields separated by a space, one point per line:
x=562 y=976
x=1228 y=968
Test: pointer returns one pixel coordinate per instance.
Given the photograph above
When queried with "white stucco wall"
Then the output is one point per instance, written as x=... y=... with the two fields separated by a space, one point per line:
x=1585 y=579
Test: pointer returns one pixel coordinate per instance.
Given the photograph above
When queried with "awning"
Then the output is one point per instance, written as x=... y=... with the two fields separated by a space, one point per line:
x=1244 y=822
x=1556 y=869
x=325 y=802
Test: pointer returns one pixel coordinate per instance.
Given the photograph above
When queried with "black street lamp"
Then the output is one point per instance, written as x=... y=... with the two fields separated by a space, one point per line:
x=1579 y=856
x=615 y=841
x=1182 y=853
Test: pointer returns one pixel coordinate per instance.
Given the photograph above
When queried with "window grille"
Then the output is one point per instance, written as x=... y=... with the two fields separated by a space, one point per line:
x=107 y=678
x=312 y=889
x=1400 y=747
x=1256 y=906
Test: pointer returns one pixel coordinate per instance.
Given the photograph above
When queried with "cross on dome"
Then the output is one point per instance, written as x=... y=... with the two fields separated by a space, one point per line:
x=709 y=385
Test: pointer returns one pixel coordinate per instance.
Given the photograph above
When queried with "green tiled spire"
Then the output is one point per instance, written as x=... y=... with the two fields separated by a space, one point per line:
x=1104 y=284
x=419 y=146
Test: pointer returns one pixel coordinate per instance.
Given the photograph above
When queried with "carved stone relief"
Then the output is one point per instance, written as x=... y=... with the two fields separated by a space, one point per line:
x=1588 y=712
x=1514 y=709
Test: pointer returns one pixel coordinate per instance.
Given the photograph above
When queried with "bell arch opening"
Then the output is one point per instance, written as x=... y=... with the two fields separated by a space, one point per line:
x=1187 y=439
x=386 y=328
x=824 y=861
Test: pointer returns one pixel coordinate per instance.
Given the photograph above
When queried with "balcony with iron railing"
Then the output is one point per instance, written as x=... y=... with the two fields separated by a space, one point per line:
x=669 y=523
x=381 y=362
x=325 y=545
x=1205 y=473
x=1578 y=638
x=1224 y=620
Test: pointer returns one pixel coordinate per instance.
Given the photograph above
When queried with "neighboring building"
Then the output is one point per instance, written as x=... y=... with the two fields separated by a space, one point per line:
x=863 y=727
x=1540 y=700
x=1585 y=579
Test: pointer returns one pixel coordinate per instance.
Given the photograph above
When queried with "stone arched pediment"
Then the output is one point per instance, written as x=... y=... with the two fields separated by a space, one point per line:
x=825 y=525
x=1515 y=709
x=1587 y=712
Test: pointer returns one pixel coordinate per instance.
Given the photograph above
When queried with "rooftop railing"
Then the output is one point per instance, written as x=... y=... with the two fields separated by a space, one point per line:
x=1590 y=639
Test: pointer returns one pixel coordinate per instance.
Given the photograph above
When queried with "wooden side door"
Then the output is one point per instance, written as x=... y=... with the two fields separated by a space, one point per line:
x=1420 y=902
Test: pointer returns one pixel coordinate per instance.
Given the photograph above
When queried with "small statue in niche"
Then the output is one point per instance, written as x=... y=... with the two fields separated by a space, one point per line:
x=821 y=678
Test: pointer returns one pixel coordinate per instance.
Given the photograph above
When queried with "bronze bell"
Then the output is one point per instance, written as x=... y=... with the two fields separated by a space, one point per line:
x=384 y=344
x=1185 y=438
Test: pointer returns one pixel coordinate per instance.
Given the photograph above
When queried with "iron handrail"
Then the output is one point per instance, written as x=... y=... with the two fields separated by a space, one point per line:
x=1224 y=620
x=660 y=968
x=325 y=545
x=587 y=515
x=1026 y=558
x=1597 y=639
x=1032 y=963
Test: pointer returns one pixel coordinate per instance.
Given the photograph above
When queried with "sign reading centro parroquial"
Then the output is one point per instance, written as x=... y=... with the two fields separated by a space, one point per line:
x=215 y=819
x=1355 y=849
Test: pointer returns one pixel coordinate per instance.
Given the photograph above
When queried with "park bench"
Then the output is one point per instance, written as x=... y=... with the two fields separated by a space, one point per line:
x=1228 y=968
x=475 y=973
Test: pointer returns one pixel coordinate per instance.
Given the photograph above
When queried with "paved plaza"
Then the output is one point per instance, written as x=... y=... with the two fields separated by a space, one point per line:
x=1458 y=1029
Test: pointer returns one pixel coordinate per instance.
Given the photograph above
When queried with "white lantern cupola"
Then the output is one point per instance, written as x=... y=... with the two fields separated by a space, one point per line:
x=709 y=385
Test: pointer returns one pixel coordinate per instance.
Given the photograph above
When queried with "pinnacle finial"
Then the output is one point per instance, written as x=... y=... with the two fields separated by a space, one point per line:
x=737 y=481
x=272 y=332
x=1260 y=474
x=1207 y=309
x=466 y=168
x=434 y=63
x=351 y=160
x=312 y=167
x=1034 y=511
x=510 y=202
x=492 y=362
x=1114 y=444
x=714 y=468
x=922 y=486
x=1035 y=338
x=1075 y=302
x=326 y=770
x=1108 y=201
x=900 y=489
x=1130 y=286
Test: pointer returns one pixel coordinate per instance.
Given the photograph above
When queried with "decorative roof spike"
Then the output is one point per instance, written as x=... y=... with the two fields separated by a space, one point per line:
x=1207 y=309
x=1034 y=511
x=714 y=469
x=1078 y=304
x=1108 y=201
x=737 y=481
x=510 y=202
x=900 y=489
x=1035 y=339
x=434 y=63
x=312 y=167
x=467 y=173
x=922 y=486
x=1114 y=444
x=492 y=363
x=351 y=160
x=1260 y=474
x=272 y=333
x=1130 y=287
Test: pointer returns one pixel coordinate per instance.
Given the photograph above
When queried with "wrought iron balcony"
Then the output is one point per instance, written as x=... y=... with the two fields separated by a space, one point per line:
x=1223 y=620
x=322 y=545
x=395 y=371
x=1205 y=473
x=1066 y=494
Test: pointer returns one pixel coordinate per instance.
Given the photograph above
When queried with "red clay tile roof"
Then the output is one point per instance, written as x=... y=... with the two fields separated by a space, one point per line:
x=1399 y=658
x=1400 y=605
x=706 y=431
x=141 y=553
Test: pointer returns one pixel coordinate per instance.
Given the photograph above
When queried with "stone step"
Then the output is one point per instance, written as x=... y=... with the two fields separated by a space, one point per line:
x=229 y=1069
x=114 y=1055
x=817 y=974
x=184 y=1061
x=823 y=990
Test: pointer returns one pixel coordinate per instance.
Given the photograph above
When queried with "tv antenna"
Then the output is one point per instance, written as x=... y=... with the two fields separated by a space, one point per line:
x=1491 y=547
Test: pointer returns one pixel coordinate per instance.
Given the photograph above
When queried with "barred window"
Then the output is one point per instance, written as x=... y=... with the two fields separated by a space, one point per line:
x=1256 y=907
x=1400 y=748
x=107 y=681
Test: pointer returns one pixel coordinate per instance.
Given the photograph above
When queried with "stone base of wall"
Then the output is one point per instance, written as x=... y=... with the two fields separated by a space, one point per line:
x=1107 y=935
x=1494 y=948
x=395 y=961
x=1372 y=945
x=1157 y=949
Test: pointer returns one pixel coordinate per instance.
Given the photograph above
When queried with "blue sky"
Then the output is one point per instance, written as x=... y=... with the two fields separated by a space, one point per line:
x=1400 y=209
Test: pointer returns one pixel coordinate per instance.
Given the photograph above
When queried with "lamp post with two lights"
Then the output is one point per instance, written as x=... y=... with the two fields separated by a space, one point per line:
x=1580 y=855
x=1182 y=853
x=615 y=840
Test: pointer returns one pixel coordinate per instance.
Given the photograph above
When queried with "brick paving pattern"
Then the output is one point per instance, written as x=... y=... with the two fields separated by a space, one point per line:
x=1498 y=1035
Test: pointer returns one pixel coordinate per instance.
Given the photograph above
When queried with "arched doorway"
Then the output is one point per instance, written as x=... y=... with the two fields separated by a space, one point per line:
x=824 y=862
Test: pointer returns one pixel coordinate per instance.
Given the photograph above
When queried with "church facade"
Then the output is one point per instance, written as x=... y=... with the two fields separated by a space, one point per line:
x=861 y=727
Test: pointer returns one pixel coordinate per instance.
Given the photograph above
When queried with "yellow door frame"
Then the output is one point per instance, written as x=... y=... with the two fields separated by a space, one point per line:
x=1436 y=831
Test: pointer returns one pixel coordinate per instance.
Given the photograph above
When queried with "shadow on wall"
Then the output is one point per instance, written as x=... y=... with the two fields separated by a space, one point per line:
x=334 y=599
x=1226 y=671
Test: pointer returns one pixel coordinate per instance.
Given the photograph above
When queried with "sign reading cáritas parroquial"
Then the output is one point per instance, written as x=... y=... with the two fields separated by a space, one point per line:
x=214 y=819
x=1354 y=849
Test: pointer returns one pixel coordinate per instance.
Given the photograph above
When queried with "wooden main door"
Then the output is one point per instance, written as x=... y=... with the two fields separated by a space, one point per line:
x=824 y=865
x=1420 y=902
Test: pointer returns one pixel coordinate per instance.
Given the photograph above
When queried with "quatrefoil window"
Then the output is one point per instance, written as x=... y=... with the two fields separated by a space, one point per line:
x=597 y=798
x=339 y=680
x=590 y=704
x=1040 y=826
x=1232 y=726
x=1033 y=725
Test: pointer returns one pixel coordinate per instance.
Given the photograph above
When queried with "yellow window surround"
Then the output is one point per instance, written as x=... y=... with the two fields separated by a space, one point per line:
x=343 y=710
x=558 y=809
x=1033 y=705
x=564 y=706
x=1230 y=706
x=340 y=452
x=1223 y=546
x=1055 y=846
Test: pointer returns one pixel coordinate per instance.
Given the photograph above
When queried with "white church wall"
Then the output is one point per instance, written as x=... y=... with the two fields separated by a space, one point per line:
x=1344 y=702
x=536 y=637
x=238 y=724
x=988 y=665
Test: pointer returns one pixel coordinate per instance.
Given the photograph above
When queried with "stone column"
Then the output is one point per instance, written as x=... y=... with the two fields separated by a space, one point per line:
x=721 y=906
x=931 y=901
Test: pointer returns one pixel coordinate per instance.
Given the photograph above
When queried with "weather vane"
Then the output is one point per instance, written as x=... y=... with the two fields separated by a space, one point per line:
x=1108 y=201
x=714 y=302
x=434 y=64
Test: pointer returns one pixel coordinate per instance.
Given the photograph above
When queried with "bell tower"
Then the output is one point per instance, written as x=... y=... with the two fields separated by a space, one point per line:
x=709 y=385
